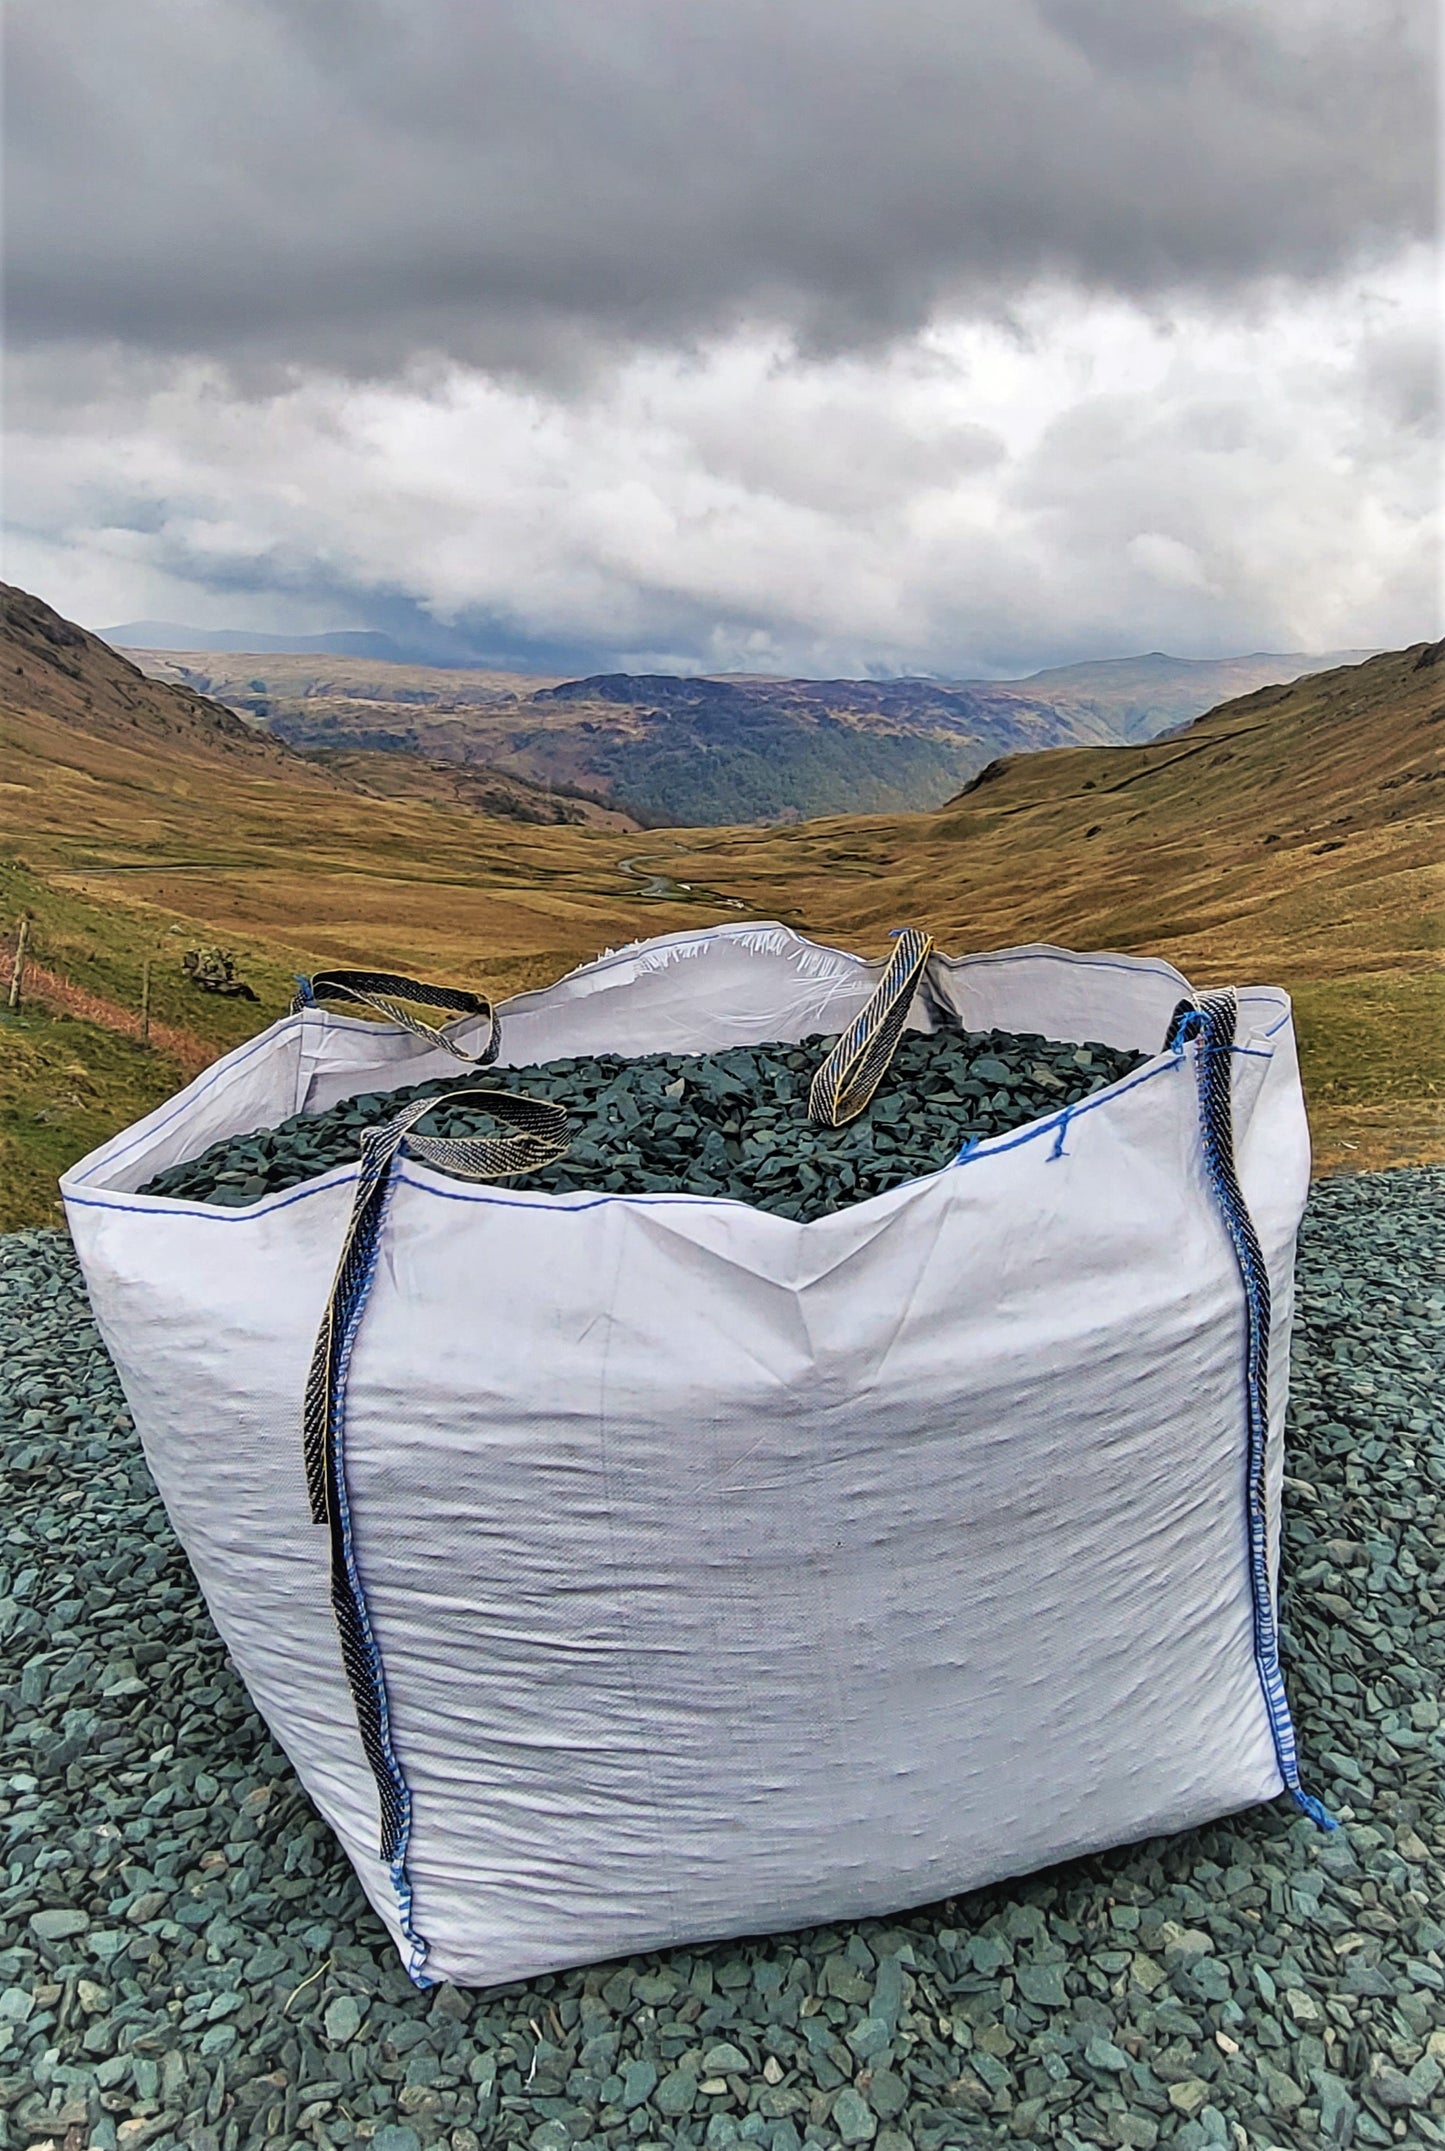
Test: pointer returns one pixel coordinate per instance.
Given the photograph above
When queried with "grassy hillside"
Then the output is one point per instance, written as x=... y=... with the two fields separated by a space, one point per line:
x=1293 y=836
x=381 y=774
x=1296 y=834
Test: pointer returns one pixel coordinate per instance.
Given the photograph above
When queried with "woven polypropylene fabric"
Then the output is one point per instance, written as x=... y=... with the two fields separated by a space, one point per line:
x=729 y=1574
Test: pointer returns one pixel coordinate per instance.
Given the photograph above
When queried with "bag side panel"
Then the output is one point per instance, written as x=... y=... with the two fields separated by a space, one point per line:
x=1122 y=1001
x=732 y=1576
x=210 y=1320
x=253 y=1086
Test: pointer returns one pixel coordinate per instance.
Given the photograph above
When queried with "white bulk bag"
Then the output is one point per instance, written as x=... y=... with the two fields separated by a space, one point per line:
x=715 y=1573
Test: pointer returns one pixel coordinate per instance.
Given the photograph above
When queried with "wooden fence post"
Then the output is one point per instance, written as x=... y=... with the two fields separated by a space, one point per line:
x=18 y=973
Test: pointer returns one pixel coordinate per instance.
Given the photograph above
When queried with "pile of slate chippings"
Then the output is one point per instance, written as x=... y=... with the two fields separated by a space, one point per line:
x=729 y=1123
x=187 y=1960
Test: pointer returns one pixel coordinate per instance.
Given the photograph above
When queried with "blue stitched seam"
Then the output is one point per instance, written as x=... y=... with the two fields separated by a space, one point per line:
x=991 y=1145
x=350 y=1324
x=172 y=1205
x=1266 y=1637
x=217 y=1213
x=203 y=1083
x=987 y=1146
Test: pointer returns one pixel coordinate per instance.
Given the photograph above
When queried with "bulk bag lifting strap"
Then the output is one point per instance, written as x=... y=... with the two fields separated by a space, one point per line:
x=542 y=1137
x=1210 y=1023
x=850 y=1075
x=385 y=992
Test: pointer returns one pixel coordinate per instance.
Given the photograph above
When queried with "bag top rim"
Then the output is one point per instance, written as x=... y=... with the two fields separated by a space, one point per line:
x=90 y=1175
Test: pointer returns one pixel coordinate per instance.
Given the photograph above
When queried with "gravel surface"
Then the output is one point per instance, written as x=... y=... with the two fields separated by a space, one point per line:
x=189 y=1961
x=732 y=1123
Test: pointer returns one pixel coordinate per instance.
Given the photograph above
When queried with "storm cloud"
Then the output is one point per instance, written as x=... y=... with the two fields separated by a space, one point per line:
x=357 y=181
x=823 y=335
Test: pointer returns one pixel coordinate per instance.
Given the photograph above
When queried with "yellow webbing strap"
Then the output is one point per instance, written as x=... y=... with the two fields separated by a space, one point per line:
x=859 y=1061
x=385 y=992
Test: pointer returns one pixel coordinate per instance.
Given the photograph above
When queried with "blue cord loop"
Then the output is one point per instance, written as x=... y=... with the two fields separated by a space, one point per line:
x=1208 y=1024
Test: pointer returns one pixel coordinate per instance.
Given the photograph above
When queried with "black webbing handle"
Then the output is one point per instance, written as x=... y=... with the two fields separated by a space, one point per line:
x=543 y=1135
x=859 y=1061
x=387 y=991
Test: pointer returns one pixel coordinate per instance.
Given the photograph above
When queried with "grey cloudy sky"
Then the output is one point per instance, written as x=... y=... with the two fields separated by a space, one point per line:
x=816 y=334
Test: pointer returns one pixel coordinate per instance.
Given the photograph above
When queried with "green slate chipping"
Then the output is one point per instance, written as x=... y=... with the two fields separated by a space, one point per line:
x=733 y=1123
x=186 y=1959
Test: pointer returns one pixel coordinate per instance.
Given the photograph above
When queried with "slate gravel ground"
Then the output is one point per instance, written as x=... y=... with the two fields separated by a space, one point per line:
x=731 y=1123
x=187 y=1960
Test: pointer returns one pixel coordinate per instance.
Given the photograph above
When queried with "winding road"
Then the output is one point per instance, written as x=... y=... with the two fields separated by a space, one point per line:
x=657 y=884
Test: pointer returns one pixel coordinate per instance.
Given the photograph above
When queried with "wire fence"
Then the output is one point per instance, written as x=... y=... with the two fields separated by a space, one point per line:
x=25 y=980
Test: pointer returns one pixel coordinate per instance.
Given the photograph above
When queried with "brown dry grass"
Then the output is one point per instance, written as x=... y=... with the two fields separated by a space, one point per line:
x=1294 y=836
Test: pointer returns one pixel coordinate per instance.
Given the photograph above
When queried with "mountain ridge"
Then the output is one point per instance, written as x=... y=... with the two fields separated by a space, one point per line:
x=76 y=677
x=337 y=642
x=151 y=636
x=704 y=749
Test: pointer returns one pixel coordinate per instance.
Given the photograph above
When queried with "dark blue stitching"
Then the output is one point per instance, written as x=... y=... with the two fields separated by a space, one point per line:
x=219 y=1213
x=987 y=1146
x=1210 y=1027
x=198 y=1088
x=207 y=1082
x=243 y=1053
x=990 y=1145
